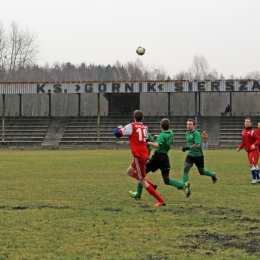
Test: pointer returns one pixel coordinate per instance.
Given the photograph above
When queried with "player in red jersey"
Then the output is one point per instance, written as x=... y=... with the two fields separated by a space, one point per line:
x=138 y=137
x=257 y=169
x=250 y=140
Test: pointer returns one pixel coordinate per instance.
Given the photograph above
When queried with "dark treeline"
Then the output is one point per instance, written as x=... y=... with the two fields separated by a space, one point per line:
x=83 y=72
x=129 y=71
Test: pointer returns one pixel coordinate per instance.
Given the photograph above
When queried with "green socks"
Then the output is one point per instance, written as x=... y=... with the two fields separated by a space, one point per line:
x=209 y=173
x=139 y=190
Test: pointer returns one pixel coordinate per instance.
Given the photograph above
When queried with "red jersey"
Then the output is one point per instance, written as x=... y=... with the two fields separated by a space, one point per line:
x=249 y=137
x=137 y=133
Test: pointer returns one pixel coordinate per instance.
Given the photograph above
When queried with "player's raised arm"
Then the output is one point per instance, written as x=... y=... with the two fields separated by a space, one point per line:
x=123 y=130
x=118 y=132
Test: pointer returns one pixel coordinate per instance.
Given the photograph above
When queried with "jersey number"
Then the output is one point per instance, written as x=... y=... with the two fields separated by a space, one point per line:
x=142 y=133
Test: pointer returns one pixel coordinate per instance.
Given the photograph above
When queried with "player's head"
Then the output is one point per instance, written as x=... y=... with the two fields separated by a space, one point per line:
x=165 y=124
x=248 y=122
x=138 y=115
x=258 y=126
x=191 y=125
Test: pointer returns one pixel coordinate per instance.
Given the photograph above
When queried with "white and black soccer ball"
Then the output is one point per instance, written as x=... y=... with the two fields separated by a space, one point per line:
x=140 y=50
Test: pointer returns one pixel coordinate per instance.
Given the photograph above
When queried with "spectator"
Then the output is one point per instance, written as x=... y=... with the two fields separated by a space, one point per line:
x=228 y=109
x=205 y=138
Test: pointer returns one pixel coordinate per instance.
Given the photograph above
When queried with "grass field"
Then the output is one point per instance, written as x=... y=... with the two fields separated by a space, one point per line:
x=74 y=204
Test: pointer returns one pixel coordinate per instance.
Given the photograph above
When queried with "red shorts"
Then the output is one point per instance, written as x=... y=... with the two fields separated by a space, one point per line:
x=253 y=157
x=139 y=165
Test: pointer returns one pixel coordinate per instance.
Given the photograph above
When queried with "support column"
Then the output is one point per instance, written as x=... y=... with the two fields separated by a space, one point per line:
x=3 y=121
x=196 y=108
x=98 y=117
x=49 y=104
x=20 y=105
x=198 y=113
x=230 y=102
x=169 y=103
x=79 y=104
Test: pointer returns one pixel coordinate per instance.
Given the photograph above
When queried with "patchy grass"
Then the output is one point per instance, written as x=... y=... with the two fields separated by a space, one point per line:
x=74 y=205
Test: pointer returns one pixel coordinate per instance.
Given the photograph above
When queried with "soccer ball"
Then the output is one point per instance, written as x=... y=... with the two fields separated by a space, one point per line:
x=140 y=51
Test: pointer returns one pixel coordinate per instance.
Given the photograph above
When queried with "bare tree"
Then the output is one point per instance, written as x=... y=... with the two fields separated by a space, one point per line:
x=253 y=75
x=3 y=50
x=212 y=75
x=183 y=75
x=199 y=67
x=18 y=48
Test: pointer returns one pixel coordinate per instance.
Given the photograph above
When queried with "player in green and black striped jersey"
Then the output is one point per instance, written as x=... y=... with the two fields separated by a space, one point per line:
x=194 y=156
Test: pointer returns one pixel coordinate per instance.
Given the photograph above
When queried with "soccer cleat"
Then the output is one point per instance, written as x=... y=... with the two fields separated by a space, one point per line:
x=160 y=203
x=186 y=189
x=253 y=182
x=133 y=195
x=214 y=178
x=258 y=181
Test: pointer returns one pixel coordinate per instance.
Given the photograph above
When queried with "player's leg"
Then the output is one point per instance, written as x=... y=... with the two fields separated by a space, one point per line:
x=257 y=169
x=187 y=166
x=184 y=184
x=253 y=159
x=199 y=162
x=139 y=190
x=150 y=166
x=153 y=192
x=141 y=169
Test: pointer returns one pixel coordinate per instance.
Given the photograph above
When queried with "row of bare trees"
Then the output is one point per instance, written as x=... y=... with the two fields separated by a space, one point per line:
x=200 y=69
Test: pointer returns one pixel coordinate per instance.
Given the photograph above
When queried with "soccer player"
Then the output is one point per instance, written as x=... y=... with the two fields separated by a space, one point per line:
x=160 y=159
x=257 y=168
x=137 y=133
x=194 y=156
x=251 y=140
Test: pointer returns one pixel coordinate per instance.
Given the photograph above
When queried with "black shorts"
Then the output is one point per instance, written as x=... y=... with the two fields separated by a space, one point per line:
x=199 y=161
x=158 y=161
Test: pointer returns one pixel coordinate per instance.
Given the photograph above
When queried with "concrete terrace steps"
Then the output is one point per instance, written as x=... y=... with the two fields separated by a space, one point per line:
x=84 y=131
x=230 y=132
x=24 y=130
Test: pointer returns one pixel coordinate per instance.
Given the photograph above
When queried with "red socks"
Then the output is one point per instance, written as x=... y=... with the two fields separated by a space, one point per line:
x=154 y=193
x=135 y=175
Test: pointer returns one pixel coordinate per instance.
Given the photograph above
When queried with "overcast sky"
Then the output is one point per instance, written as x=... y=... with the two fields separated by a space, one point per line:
x=225 y=32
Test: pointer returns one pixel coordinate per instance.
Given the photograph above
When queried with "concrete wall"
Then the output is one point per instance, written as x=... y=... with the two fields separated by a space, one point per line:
x=211 y=124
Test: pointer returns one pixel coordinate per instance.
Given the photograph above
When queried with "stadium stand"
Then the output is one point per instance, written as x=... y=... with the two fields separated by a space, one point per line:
x=24 y=130
x=85 y=131
x=230 y=133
